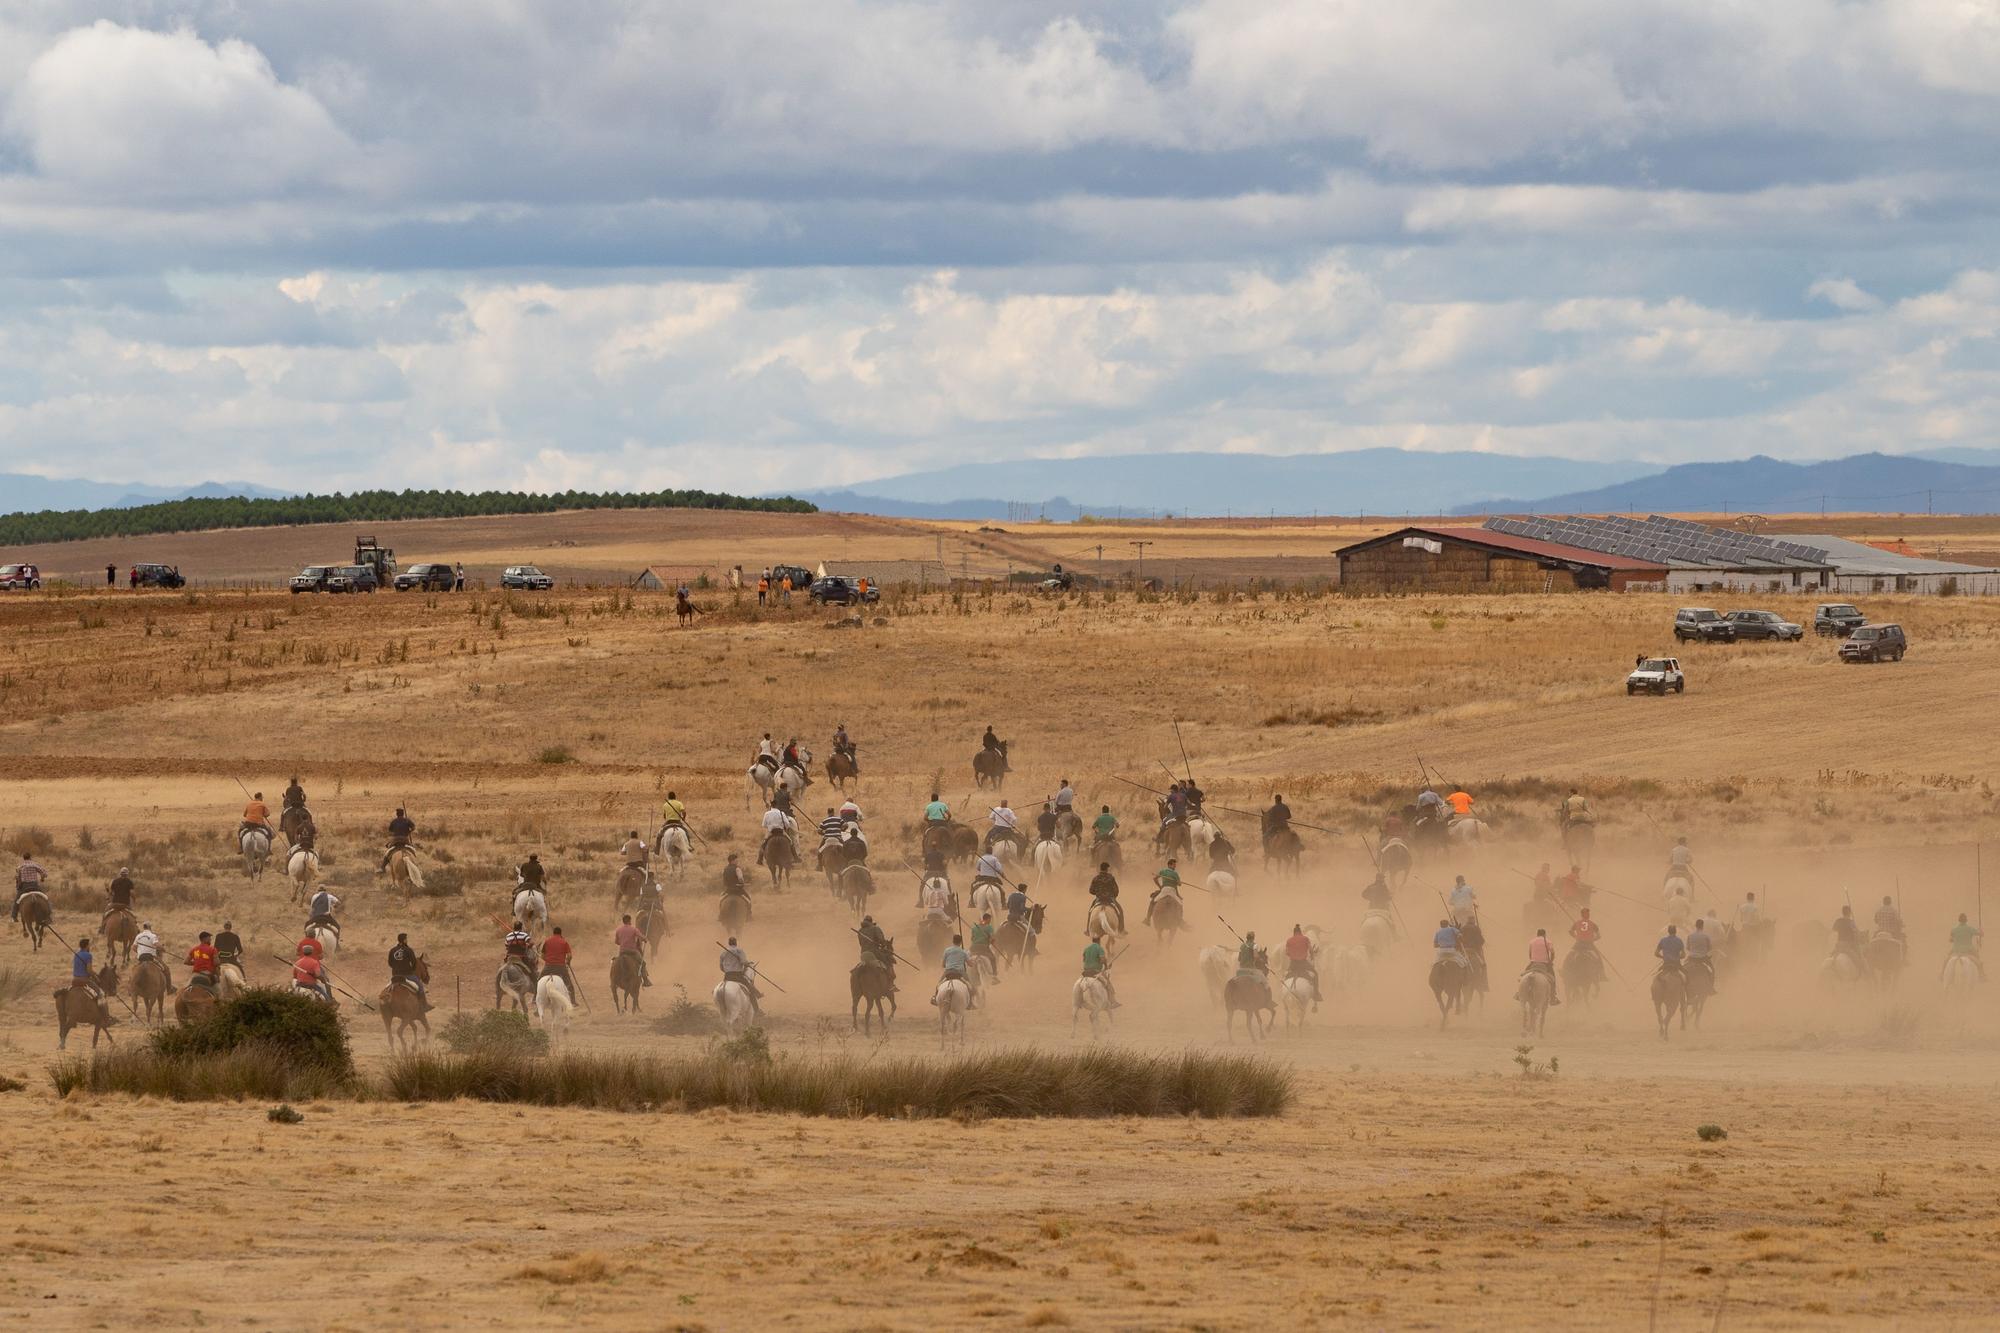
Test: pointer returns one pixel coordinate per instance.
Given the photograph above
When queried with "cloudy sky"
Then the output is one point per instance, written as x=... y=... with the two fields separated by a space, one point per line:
x=764 y=244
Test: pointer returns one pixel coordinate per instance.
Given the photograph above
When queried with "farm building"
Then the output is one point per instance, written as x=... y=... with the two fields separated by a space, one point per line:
x=1696 y=557
x=662 y=578
x=1444 y=559
x=1859 y=568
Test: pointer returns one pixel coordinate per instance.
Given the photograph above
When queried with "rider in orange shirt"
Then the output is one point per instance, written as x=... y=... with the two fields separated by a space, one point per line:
x=256 y=814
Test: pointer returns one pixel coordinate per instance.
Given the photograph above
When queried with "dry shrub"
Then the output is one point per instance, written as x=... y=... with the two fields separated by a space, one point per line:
x=18 y=983
x=248 y=1073
x=569 y=1270
x=35 y=842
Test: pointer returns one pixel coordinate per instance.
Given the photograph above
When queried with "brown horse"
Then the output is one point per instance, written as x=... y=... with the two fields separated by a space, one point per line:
x=630 y=881
x=1669 y=998
x=194 y=1003
x=1014 y=942
x=840 y=769
x=874 y=985
x=989 y=768
x=119 y=928
x=625 y=982
x=1449 y=984
x=151 y=988
x=734 y=913
x=652 y=923
x=954 y=841
x=1249 y=995
x=76 y=1007
x=684 y=610
x=778 y=857
x=36 y=916
x=404 y=873
x=403 y=1009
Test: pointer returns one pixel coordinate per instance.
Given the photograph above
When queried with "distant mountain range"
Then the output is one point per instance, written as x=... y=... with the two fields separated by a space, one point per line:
x=1876 y=483
x=24 y=494
x=1387 y=481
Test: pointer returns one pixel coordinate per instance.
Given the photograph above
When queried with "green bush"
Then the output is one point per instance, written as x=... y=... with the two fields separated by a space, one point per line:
x=685 y=1018
x=494 y=1032
x=293 y=1030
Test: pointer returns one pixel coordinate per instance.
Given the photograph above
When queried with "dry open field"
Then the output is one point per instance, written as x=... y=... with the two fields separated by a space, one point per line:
x=1419 y=1181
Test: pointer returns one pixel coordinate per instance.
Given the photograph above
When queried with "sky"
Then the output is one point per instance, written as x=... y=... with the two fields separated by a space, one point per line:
x=783 y=245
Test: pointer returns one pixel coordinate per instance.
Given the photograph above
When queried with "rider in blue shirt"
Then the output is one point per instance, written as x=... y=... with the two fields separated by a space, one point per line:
x=938 y=811
x=1446 y=942
x=1671 y=948
x=1017 y=903
x=80 y=961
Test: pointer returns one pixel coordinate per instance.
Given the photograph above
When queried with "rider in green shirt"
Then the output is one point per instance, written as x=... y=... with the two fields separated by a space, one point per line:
x=1095 y=964
x=938 y=811
x=982 y=943
x=1105 y=824
x=1246 y=956
x=1965 y=944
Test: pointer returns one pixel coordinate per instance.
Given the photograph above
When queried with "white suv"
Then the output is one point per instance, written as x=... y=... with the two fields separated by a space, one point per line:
x=1656 y=675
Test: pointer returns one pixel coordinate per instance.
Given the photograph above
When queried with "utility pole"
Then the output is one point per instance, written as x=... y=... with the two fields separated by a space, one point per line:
x=1142 y=557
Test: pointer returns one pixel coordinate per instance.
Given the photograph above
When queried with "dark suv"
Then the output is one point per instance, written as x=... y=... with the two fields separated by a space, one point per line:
x=802 y=578
x=431 y=578
x=313 y=578
x=1703 y=625
x=842 y=590
x=353 y=578
x=157 y=576
x=1875 y=643
x=1838 y=619
x=1765 y=625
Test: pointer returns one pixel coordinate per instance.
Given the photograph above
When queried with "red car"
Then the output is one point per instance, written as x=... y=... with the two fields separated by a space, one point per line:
x=24 y=578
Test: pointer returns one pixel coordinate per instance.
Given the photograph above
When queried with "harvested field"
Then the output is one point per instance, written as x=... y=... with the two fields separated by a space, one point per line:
x=1422 y=1177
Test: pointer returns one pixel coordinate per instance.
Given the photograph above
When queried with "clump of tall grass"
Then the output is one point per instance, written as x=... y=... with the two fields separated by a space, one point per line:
x=18 y=983
x=1006 y=1083
x=494 y=1032
x=249 y=1072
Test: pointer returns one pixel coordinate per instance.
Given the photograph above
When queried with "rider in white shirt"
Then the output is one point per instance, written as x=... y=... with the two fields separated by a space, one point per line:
x=850 y=811
x=767 y=750
x=1749 y=912
x=937 y=898
x=1003 y=816
x=146 y=944
x=988 y=867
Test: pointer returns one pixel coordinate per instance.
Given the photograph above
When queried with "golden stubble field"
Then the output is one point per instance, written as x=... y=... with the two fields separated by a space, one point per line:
x=1420 y=1180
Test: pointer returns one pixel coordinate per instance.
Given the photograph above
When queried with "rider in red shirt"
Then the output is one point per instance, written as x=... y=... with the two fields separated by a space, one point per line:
x=1585 y=931
x=630 y=939
x=306 y=972
x=201 y=961
x=556 y=954
x=1299 y=956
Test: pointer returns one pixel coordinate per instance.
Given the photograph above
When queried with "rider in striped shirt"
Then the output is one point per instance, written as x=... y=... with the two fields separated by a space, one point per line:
x=28 y=877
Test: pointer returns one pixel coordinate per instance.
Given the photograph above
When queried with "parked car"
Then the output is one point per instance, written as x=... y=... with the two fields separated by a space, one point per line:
x=842 y=590
x=1839 y=619
x=1656 y=675
x=526 y=576
x=313 y=578
x=20 y=578
x=157 y=576
x=354 y=578
x=1765 y=625
x=431 y=578
x=1702 y=624
x=1875 y=643
x=802 y=578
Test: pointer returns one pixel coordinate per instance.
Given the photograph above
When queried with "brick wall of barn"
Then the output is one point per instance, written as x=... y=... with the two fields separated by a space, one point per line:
x=1394 y=567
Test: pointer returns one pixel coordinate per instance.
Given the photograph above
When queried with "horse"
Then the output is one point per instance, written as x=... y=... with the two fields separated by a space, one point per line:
x=1378 y=932
x=733 y=913
x=933 y=934
x=76 y=1006
x=684 y=611
x=1886 y=956
x=1583 y=973
x=856 y=883
x=119 y=928
x=404 y=872
x=632 y=880
x=229 y=980
x=193 y=1003
x=328 y=939
x=763 y=777
x=1048 y=859
x=255 y=843
x=1282 y=850
x=1669 y=998
x=1960 y=977
x=651 y=919
x=1579 y=840
x=1346 y=968
x=293 y=820
x=677 y=848
x=517 y=983
x=1069 y=830
x=1465 y=831
x=1840 y=969
x=403 y=1009
x=553 y=1007
x=1217 y=966
x=835 y=855
x=953 y=999
x=1249 y=994
x=778 y=857
x=627 y=979
x=793 y=777
x=1449 y=983
x=1298 y=1001
x=1103 y=920
x=1014 y=941
x=1700 y=985
x=1680 y=911
x=531 y=909
x=989 y=767
x=1393 y=860
x=1537 y=988
x=37 y=917
x=732 y=1001
x=150 y=988
x=1089 y=995
x=873 y=985
x=302 y=869
x=988 y=897
x=317 y=996
x=1169 y=919
x=1106 y=850
x=1221 y=883
x=1005 y=843
x=841 y=769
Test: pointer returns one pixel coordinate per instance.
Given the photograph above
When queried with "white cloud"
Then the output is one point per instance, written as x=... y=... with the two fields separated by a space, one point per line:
x=1843 y=294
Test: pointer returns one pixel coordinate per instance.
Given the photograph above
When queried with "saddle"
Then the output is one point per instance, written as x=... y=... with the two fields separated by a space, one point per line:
x=206 y=980
x=767 y=761
x=410 y=982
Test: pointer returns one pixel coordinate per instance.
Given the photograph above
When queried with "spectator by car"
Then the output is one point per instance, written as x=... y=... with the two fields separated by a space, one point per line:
x=20 y=578
x=841 y=590
x=1875 y=643
x=313 y=578
x=429 y=577
x=1765 y=625
x=526 y=576
x=1702 y=624
x=1656 y=675
x=1838 y=619
x=157 y=576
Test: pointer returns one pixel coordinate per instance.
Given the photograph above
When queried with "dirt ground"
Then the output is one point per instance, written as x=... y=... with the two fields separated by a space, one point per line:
x=1421 y=1181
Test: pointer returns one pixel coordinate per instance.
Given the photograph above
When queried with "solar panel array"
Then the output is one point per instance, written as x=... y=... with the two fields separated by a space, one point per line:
x=1669 y=541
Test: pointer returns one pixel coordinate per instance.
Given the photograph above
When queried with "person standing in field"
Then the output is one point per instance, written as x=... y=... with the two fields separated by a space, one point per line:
x=458 y=577
x=786 y=588
x=111 y=576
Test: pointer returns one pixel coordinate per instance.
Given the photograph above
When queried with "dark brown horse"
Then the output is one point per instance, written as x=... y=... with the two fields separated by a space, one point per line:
x=1250 y=995
x=734 y=913
x=625 y=982
x=36 y=916
x=651 y=920
x=873 y=985
x=1015 y=942
x=1450 y=982
x=778 y=857
x=954 y=841
x=76 y=1007
x=403 y=1009
x=194 y=1003
x=989 y=767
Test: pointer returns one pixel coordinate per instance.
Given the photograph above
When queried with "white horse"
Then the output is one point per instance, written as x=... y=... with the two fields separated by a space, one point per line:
x=1961 y=977
x=986 y=898
x=983 y=974
x=1466 y=831
x=1346 y=968
x=328 y=937
x=1298 y=993
x=531 y=908
x=404 y=872
x=256 y=845
x=517 y=984
x=732 y=1001
x=1091 y=996
x=1217 y=966
x=1221 y=883
x=303 y=870
x=676 y=848
x=1839 y=969
x=1201 y=833
x=1048 y=858
x=1103 y=920
x=229 y=981
x=553 y=1006
x=1678 y=884
x=796 y=777
x=1378 y=931
x=1680 y=910
x=953 y=999
x=762 y=779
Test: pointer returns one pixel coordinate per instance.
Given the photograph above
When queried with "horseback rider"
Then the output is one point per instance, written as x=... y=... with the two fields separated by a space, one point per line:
x=1430 y=805
x=1670 y=950
x=146 y=945
x=988 y=870
x=850 y=813
x=989 y=741
x=305 y=838
x=1045 y=822
x=556 y=955
x=1847 y=937
x=1748 y=913
x=1222 y=853
x=1575 y=810
x=1464 y=898
x=1166 y=883
x=308 y=974
x=403 y=970
x=934 y=863
x=737 y=967
x=629 y=939
x=957 y=963
x=202 y=959
x=256 y=815
x=1299 y=959
x=1246 y=954
x=777 y=819
x=1570 y=888
x=228 y=945
x=519 y=947
x=791 y=755
x=1105 y=826
x=80 y=975
x=1448 y=943
x=1701 y=950
x=1003 y=818
x=1585 y=931
x=935 y=897
x=1177 y=803
x=1097 y=964
x=673 y=812
x=831 y=828
x=781 y=799
x=1018 y=906
x=121 y=890
x=1104 y=893
x=843 y=744
x=1680 y=860
x=1192 y=795
x=1965 y=939
x=1542 y=958
x=875 y=951
x=1460 y=802
x=294 y=797
x=401 y=829
x=938 y=811
x=1377 y=895
x=1065 y=797
x=1277 y=819
x=28 y=877
x=1890 y=921
x=634 y=851
x=767 y=753
x=320 y=911
x=734 y=881
x=982 y=944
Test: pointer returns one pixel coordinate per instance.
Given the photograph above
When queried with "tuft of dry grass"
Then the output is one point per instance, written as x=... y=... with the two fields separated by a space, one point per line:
x=568 y=1270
